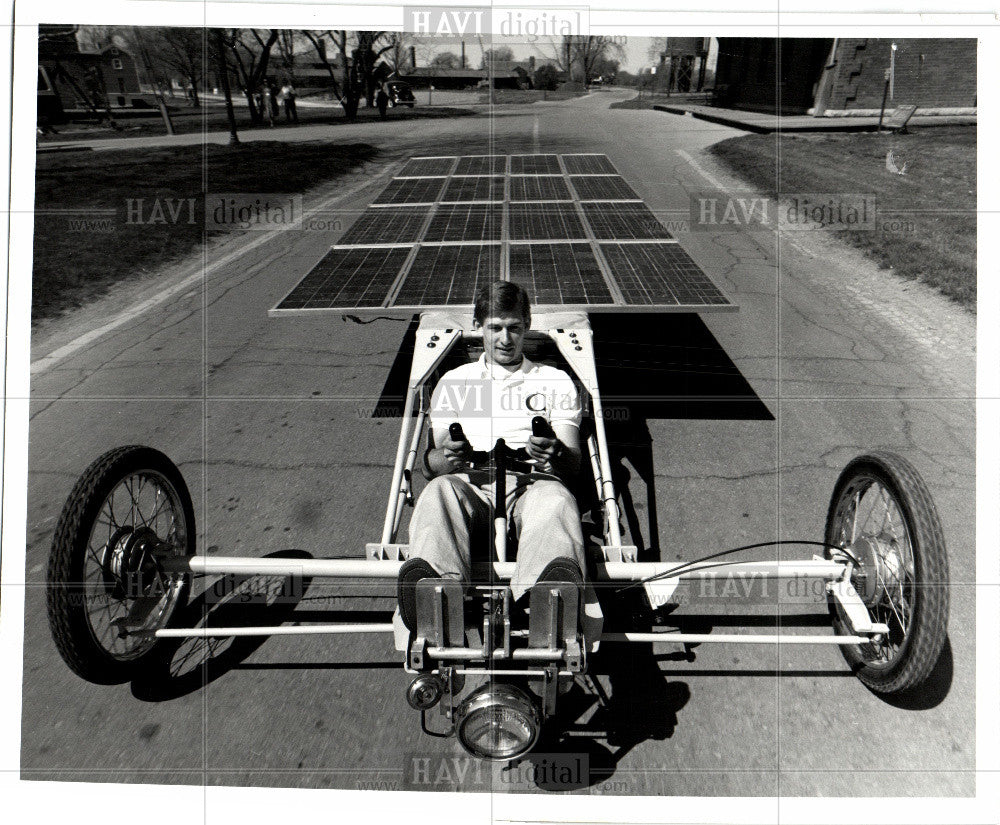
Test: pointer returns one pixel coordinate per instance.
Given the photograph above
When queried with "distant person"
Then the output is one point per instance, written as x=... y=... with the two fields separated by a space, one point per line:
x=274 y=93
x=288 y=98
x=269 y=108
x=382 y=101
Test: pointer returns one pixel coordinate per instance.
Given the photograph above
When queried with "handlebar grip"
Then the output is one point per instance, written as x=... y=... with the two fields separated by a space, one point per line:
x=455 y=432
x=540 y=428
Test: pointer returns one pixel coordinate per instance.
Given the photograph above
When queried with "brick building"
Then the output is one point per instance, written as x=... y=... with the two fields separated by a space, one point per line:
x=845 y=76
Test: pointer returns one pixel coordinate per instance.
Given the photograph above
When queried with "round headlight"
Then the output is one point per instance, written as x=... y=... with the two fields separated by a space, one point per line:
x=498 y=722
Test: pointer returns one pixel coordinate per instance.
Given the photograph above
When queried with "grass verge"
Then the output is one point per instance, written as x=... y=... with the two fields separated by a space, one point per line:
x=212 y=118
x=87 y=239
x=926 y=218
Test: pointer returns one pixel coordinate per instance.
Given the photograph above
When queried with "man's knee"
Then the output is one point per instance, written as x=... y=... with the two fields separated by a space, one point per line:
x=443 y=489
x=549 y=498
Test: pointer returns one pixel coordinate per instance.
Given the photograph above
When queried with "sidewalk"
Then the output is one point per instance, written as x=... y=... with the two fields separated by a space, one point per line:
x=765 y=123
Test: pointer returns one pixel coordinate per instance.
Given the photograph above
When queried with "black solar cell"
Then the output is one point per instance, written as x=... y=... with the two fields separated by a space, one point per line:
x=589 y=165
x=623 y=221
x=534 y=165
x=660 y=274
x=481 y=165
x=411 y=190
x=389 y=225
x=600 y=187
x=359 y=277
x=559 y=273
x=427 y=166
x=474 y=189
x=545 y=221
x=448 y=275
x=465 y=222
x=533 y=188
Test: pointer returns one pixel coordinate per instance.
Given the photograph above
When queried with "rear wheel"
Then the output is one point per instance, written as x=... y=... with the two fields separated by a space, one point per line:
x=881 y=510
x=107 y=591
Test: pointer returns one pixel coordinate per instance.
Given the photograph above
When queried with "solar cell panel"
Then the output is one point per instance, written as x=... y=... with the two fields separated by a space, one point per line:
x=481 y=165
x=534 y=165
x=623 y=221
x=358 y=277
x=572 y=231
x=411 y=190
x=427 y=166
x=601 y=187
x=559 y=273
x=393 y=224
x=448 y=275
x=589 y=165
x=465 y=222
x=545 y=221
x=660 y=274
x=473 y=189
x=538 y=188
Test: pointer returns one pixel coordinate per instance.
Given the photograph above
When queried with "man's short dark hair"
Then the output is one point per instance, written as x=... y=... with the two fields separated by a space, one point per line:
x=501 y=298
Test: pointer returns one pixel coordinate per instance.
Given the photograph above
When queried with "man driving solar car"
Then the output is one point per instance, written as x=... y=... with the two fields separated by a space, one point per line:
x=499 y=396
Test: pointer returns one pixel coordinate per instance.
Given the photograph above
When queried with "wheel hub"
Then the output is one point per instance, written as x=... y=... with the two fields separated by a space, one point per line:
x=129 y=567
x=880 y=568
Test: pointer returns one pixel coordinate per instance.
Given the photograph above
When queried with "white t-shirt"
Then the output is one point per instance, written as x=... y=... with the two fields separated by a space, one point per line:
x=490 y=402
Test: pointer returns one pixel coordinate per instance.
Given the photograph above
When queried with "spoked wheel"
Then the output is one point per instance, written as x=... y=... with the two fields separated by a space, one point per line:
x=107 y=591
x=882 y=512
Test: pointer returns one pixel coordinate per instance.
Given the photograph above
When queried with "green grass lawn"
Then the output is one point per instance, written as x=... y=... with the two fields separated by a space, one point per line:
x=926 y=228
x=212 y=118
x=84 y=240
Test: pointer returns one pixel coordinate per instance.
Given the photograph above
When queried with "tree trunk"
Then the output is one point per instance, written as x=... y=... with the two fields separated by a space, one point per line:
x=224 y=79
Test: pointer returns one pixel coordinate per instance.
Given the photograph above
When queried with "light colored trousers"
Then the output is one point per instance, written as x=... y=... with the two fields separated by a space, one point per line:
x=452 y=514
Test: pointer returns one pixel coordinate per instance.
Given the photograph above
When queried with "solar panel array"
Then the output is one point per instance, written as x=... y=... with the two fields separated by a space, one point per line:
x=567 y=227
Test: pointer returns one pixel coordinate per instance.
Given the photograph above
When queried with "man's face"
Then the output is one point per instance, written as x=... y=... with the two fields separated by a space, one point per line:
x=503 y=338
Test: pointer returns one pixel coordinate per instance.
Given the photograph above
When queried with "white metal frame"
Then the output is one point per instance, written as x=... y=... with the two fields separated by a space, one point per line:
x=437 y=334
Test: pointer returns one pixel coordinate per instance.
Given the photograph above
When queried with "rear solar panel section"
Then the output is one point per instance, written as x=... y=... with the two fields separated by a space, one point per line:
x=388 y=225
x=474 y=189
x=465 y=222
x=481 y=165
x=589 y=165
x=427 y=166
x=561 y=273
x=411 y=190
x=545 y=221
x=599 y=187
x=448 y=275
x=534 y=165
x=624 y=221
x=359 y=277
x=660 y=274
x=534 y=188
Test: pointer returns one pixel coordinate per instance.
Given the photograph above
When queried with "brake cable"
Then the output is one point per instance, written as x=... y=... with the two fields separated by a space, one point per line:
x=672 y=572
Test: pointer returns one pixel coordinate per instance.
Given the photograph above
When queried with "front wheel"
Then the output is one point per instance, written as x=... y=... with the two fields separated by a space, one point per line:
x=882 y=512
x=107 y=592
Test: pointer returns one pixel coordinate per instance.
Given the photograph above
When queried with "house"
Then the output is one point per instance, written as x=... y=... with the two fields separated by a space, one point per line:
x=846 y=76
x=74 y=81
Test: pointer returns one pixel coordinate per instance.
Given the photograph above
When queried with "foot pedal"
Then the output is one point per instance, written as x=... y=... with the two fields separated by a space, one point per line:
x=555 y=609
x=441 y=612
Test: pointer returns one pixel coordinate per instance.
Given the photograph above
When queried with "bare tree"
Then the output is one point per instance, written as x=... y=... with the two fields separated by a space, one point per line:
x=250 y=53
x=219 y=39
x=345 y=88
x=581 y=57
x=183 y=51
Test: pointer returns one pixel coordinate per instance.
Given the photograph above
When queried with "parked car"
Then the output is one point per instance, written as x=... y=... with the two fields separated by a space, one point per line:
x=400 y=93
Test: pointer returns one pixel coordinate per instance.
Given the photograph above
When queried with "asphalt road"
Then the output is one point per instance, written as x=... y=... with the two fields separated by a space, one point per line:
x=267 y=419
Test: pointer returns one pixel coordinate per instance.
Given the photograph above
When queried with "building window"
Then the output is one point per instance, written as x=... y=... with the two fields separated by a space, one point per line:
x=116 y=64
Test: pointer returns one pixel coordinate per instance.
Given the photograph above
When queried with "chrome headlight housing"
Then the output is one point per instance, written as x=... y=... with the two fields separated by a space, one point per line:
x=498 y=722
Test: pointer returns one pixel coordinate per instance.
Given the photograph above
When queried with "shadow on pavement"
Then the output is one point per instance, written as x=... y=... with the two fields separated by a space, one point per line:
x=182 y=666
